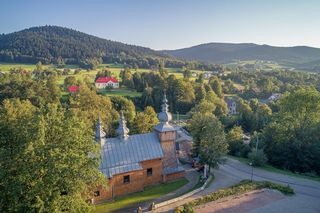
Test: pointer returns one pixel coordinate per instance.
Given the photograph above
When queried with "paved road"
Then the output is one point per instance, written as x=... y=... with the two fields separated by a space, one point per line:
x=307 y=198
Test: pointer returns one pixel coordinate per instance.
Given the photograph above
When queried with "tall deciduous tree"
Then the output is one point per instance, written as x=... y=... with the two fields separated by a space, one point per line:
x=209 y=138
x=49 y=162
x=145 y=121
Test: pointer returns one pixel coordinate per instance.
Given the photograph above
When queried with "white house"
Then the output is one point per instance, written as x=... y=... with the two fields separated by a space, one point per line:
x=103 y=82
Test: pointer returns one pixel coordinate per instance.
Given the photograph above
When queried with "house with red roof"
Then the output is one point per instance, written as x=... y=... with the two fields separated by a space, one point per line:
x=73 y=89
x=104 y=82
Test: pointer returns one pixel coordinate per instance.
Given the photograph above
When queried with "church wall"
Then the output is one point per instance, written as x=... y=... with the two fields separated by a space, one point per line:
x=138 y=180
x=175 y=176
x=167 y=136
x=156 y=176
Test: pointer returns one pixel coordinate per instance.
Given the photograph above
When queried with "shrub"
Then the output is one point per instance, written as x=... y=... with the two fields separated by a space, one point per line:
x=257 y=157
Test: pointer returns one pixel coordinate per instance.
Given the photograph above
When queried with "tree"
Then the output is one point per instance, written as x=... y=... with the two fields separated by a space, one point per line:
x=200 y=92
x=39 y=66
x=147 y=99
x=103 y=73
x=145 y=121
x=69 y=81
x=204 y=107
x=125 y=105
x=216 y=86
x=126 y=77
x=209 y=138
x=200 y=78
x=49 y=149
x=257 y=157
x=54 y=92
x=220 y=105
x=235 y=141
x=184 y=96
x=292 y=139
x=187 y=74
x=162 y=71
x=88 y=105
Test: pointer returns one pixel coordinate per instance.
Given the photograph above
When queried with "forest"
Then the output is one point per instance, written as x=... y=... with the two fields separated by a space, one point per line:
x=60 y=45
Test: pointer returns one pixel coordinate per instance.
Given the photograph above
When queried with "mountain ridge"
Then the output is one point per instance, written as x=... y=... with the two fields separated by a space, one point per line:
x=215 y=52
x=51 y=44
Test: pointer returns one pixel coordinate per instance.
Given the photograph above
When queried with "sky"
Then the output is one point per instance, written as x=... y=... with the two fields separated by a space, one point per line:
x=173 y=24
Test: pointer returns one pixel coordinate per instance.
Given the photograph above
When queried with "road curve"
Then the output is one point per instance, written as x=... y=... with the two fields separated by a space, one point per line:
x=307 y=198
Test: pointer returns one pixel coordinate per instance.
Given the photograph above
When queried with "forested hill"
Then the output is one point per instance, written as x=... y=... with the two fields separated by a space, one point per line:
x=298 y=56
x=53 y=44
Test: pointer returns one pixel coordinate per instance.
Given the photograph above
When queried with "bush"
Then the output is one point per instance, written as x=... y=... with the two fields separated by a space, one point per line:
x=257 y=157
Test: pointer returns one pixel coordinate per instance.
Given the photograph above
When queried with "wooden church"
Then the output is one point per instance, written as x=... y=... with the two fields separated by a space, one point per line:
x=132 y=162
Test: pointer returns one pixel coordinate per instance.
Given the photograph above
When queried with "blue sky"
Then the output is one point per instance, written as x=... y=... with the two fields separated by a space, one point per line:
x=172 y=24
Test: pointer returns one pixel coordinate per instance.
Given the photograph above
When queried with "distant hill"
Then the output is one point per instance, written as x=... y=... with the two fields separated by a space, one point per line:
x=298 y=56
x=53 y=44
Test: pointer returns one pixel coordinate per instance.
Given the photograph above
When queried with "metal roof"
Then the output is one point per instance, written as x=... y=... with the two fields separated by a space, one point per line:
x=164 y=127
x=109 y=172
x=120 y=156
x=170 y=170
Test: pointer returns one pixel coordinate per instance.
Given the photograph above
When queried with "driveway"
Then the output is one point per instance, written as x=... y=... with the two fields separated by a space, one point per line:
x=307 y=198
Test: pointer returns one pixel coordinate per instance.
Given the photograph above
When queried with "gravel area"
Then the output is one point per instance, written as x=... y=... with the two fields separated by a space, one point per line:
x=241 y=203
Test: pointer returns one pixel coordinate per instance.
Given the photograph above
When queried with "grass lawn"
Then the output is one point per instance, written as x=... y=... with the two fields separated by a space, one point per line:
x=181 y=116
x=121 y=92
x=8 y=66
x=270 y=168
x=150 y=193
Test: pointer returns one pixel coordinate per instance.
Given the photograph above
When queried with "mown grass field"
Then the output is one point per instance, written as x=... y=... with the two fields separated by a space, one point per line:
x=150 y=193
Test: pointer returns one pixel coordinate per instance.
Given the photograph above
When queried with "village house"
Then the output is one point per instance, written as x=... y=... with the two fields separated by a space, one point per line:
x=132 y=162
x=106 y=82
x=232 y=106
x=274 y=97
x=207 y=75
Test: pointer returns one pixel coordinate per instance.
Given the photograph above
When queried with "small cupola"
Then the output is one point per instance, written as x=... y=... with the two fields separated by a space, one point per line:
x=100 y=135
x=122 y=131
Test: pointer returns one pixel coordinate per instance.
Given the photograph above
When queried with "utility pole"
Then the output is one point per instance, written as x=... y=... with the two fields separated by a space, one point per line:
x=257 y=142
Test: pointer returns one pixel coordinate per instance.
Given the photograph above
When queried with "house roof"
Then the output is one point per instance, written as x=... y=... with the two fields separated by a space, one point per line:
x=170 y=170
x=164 y=127
x=106 y=80
x=124 y=155
x=73 y=88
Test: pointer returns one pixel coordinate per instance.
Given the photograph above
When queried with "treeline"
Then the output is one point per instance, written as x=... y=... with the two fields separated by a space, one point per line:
x=59 y=45
x=262 y=84
x=183 y=94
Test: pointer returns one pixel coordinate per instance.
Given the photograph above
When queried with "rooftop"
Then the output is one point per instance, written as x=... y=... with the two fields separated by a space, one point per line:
x=106 y=80
x=123 y=155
